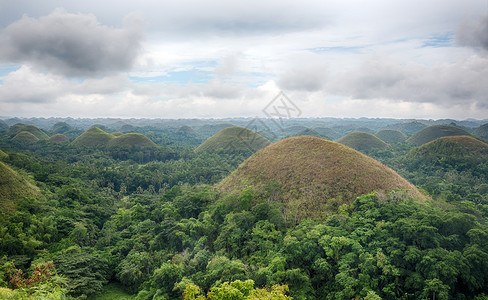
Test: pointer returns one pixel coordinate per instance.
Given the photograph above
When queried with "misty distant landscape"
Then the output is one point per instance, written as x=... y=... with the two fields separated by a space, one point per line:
x=225 y=150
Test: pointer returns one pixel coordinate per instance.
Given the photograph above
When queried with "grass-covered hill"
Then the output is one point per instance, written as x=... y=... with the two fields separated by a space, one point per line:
x=408 y=128
x=431 y=133
x=391 y=136
x=310 y=132
x=25 y=137
x=234 y=139
x=17 y=128
x=451 y=146
x=362 y=141
x=61 y=127
x=482 y=131
x=93 y=137
x=131 y=140
x=59 y=138
x=96 y=137
x=13 y=186
x=208 y=130
x=308 y=173
x=328 y=132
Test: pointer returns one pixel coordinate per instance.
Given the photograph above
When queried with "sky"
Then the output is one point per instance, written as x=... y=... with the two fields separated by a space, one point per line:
x=218 y=59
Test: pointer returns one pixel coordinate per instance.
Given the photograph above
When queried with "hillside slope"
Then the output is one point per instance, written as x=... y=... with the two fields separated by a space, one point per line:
x=362 y=141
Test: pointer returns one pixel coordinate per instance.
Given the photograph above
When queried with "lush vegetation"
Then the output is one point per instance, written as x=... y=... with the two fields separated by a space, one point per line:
x=160 y=222
x=234 y=139
x=391 y=136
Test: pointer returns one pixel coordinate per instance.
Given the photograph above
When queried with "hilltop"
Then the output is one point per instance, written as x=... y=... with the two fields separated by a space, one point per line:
x=234 y=139
x=391 y=136
x=305 y=173
x=59 y=138
x=25 y=137
x=93 y=137
x=433 y=132
x=13 y=186
x=482 y=131
x=408 y=128
x=362 y=141
x=17 y=128
x=131 y=140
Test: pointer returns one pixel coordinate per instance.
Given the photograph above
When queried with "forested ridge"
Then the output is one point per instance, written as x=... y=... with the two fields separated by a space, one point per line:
x=149 y=223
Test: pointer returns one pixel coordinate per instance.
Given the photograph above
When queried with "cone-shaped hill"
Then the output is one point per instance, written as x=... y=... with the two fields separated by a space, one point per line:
x=451 y=146
x=17 y=128
x=25 y=137
x=13 y=186
x=362 y=141
x=234 y=139
x=305 y=172
x=131 y=140
x=431 y=133
x=391 y=136
x=93 y=137
x=482 y=131
x=59 y=138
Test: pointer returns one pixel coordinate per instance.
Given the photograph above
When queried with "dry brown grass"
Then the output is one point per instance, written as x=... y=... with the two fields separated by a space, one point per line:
x=306 y=172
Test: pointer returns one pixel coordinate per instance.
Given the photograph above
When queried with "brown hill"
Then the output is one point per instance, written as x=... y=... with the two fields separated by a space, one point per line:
x=305 y=173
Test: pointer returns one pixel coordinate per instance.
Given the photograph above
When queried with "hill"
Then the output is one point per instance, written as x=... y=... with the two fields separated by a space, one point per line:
x=391 y=136
x=25 y=137
x=17 y=128
x=310 y=132
x=482 y=131
x=305 y=173
x=451 y=146
x=330 y=133
x=13 y=186
x=208 y=130
x=60 y=127
x=362 y=141
x=131 y=140
x=408 y=128
x=234 y=139
x=93 y=137
x=59 y=138
x=433 y=132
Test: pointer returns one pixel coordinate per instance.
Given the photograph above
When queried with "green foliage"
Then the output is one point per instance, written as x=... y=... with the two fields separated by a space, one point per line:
x=234 y=139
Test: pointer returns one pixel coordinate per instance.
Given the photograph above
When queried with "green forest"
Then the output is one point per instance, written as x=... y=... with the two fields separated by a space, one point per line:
x=171 y=210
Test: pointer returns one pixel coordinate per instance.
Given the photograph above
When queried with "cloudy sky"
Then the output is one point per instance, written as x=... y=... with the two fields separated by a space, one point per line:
x=193 y=58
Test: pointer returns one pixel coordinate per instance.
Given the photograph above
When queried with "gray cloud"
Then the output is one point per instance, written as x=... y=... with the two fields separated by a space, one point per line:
x=474 y=34
x=460 y=83
x=71 y=44
x=306 y=74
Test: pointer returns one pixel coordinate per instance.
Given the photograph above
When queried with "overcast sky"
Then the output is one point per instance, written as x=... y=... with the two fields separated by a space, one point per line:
x=192 y=59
